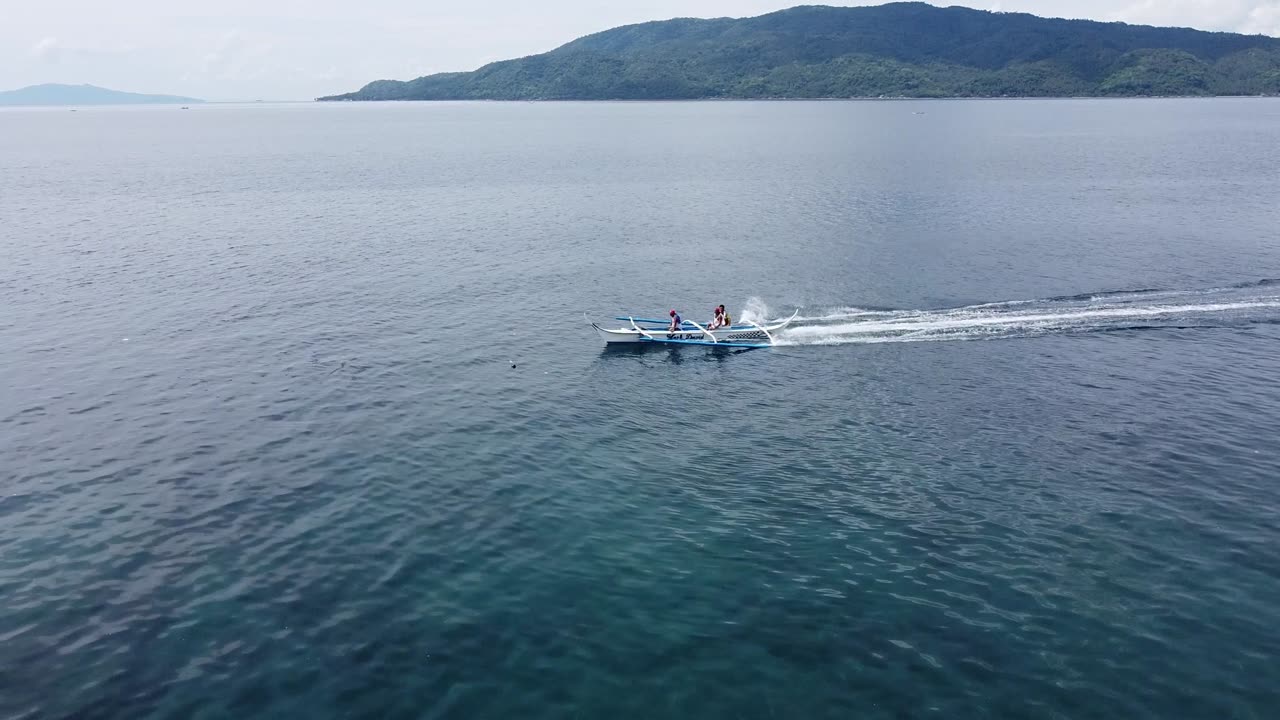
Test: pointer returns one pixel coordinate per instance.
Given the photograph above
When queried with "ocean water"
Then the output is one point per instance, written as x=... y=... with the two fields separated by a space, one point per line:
x=300 y=415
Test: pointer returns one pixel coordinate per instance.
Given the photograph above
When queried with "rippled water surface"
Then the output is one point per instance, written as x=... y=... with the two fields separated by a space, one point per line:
x=300 y=415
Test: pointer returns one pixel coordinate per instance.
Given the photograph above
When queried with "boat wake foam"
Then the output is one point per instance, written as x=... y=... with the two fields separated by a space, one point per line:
x=1114 y=310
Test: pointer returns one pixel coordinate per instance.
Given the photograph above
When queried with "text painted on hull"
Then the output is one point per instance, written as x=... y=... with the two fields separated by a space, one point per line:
x=735 y=336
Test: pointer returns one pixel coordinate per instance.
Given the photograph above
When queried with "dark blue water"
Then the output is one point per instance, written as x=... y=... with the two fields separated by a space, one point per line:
x=300 y=416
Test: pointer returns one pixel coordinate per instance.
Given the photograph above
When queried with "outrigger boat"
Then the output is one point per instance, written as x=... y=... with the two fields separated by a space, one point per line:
x=742 y=335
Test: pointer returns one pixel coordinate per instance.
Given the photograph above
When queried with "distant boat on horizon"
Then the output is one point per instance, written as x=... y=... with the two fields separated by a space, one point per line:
x=53 y=94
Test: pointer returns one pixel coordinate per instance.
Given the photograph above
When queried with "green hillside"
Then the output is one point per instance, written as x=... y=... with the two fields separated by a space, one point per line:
x=896 y=50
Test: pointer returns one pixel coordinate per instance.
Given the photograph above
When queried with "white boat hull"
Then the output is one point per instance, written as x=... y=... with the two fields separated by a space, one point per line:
x=629 y=335
x=742 y=335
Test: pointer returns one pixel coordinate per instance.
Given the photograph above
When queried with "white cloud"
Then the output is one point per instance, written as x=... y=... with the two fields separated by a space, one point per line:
x=1248 y=16
x=1263 y=20
x=46 y=49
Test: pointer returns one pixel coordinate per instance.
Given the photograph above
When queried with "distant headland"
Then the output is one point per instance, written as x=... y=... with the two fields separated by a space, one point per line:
x=895 y=50
x=54 y=94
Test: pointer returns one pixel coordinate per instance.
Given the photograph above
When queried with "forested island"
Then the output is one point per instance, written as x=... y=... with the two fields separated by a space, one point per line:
x=896 y=50
x=54 y=94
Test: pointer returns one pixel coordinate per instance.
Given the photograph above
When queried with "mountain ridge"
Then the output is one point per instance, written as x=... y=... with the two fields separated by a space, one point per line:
x=57 y=94
x=898 y=50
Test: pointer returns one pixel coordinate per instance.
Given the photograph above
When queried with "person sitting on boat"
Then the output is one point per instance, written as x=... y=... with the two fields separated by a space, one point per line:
x=675 y=322
x=717 y=321
x=721 y=318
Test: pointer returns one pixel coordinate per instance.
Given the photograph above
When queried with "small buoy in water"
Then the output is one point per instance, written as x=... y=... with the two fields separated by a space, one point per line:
x=513 y=364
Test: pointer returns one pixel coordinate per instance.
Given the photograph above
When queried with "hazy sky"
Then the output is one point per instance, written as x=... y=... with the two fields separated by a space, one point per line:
x=299 y=49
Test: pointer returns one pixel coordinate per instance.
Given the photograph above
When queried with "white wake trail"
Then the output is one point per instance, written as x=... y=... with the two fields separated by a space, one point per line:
x=1029 y=318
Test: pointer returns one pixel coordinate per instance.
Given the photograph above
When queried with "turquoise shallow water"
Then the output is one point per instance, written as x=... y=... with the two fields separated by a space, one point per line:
x=265 y=453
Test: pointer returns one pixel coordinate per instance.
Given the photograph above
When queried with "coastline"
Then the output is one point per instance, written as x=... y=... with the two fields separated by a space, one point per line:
x=950 y=98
